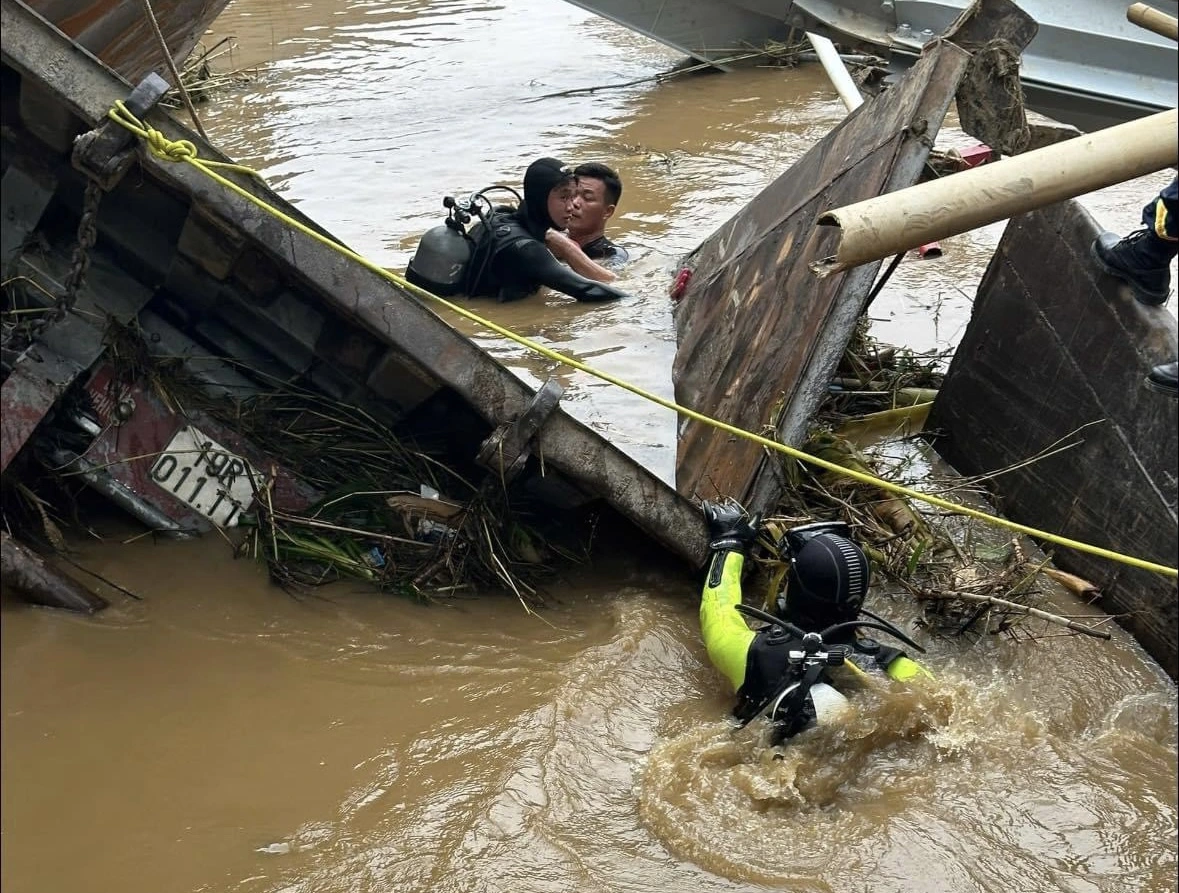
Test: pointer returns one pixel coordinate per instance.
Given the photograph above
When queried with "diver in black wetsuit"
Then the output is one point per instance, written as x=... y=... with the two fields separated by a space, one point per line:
x=511 y=260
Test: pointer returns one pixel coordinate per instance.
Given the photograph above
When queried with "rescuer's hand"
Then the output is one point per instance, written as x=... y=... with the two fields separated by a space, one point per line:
x=729 y=528
x=562 y=245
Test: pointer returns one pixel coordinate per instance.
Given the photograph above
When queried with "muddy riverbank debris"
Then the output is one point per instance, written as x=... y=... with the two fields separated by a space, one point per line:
x=971 y=579
x=201 y=78
x=39 y=582
x=380 y=506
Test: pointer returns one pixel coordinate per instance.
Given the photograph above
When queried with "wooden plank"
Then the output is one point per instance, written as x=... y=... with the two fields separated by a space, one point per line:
x=756 y=328
x=1057 y=351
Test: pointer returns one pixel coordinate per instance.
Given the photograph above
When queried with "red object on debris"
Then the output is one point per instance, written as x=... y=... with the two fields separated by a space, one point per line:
x=681 y=284
x=29 y=392
x=971 y=156
x=975 y=155
x=199 y=477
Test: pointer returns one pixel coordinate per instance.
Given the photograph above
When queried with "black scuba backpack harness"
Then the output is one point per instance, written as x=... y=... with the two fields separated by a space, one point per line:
x=454 y=256
x=786 y=662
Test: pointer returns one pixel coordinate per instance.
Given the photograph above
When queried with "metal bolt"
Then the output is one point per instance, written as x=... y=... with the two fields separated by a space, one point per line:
x=124 y=409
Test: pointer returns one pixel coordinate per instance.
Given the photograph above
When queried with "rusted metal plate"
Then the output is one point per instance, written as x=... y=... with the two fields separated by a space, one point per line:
x=118 y=32
x=29 y=392
x=1056 y=352
x=990 y=97
x=758 y=332
x=23 y=199
x=985 y=21
x=196 y=491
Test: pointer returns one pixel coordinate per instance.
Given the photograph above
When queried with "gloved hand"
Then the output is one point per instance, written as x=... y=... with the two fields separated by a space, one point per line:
x=729 y=528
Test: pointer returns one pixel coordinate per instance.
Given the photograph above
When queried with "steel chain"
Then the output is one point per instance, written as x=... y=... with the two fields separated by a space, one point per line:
x=80 y=263
x=87 y=235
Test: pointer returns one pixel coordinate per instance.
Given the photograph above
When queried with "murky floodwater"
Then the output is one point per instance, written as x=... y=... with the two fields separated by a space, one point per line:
x=221 y=736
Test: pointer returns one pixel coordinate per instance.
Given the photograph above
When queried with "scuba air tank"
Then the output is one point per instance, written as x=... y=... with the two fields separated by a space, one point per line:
x=443 y=255
x=442 y=263
x=829 y=703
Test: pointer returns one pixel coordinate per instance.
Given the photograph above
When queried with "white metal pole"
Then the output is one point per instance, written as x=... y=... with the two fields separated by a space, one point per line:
x=837 y=71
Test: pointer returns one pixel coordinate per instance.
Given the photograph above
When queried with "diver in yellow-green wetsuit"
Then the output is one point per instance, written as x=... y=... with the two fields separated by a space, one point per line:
x=815 y=622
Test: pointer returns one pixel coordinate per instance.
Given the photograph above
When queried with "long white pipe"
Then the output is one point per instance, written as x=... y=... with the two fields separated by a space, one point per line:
x=847 y=89
x=908 y=218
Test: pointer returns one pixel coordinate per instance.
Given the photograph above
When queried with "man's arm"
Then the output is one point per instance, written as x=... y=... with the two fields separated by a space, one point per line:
x=567 y=249
x=725 y=633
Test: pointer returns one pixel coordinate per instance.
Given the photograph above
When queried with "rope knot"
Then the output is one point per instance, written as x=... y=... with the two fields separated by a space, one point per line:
x=172 y=150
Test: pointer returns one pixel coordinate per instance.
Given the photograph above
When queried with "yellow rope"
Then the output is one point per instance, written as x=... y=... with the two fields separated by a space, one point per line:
x=183 y=150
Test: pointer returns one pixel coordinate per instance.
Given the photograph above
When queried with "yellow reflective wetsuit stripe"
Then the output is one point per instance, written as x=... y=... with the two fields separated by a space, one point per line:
x=725 y=634
x=904 y=668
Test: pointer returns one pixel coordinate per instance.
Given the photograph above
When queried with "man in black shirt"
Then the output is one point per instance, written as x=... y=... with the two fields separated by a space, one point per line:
x=584 y=246
x=598 y=192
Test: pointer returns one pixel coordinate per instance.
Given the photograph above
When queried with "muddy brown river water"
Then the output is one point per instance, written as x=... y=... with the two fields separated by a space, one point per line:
x=220 y=735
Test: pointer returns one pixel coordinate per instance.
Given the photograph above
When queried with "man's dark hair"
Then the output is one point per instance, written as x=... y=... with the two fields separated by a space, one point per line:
x=607 y=175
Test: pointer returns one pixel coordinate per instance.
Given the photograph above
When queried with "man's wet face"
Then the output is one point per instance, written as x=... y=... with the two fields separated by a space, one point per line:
x=560 y=203
x=590 y=209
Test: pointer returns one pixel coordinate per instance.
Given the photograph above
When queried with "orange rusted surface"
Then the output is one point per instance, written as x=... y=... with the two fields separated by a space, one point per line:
x=119 y=33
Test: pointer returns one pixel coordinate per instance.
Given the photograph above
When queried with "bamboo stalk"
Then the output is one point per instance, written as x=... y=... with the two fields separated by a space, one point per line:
x=1153 y=20
x=339 y=528
x=1074 y=584
x=1020 y=609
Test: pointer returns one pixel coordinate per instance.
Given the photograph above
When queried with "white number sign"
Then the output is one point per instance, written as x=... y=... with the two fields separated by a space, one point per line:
x=206 y=477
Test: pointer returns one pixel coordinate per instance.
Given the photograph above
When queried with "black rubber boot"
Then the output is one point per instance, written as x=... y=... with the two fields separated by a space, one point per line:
x=1164 y=379
x=1140 y=260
